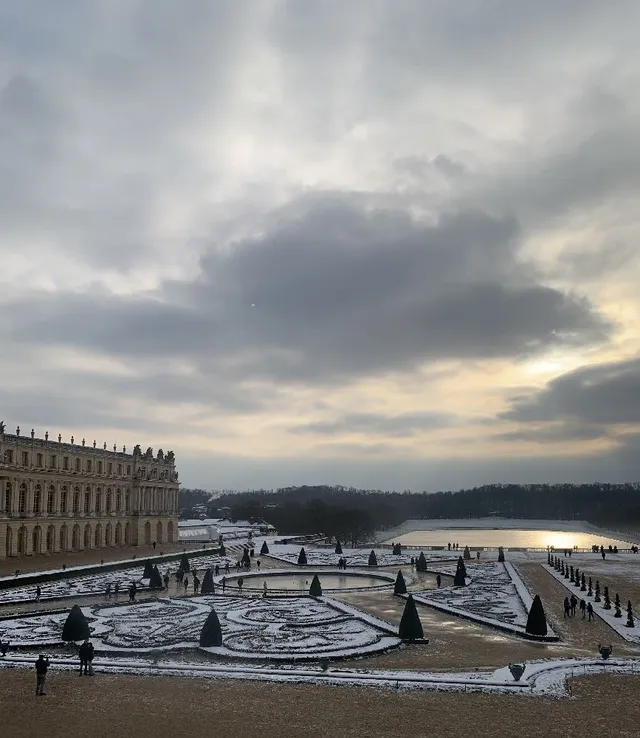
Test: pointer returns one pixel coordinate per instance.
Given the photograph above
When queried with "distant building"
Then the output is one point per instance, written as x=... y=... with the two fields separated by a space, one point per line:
x=58 y=496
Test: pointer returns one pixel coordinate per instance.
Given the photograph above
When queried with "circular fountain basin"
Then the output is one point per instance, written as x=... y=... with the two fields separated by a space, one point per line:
x=294 y=580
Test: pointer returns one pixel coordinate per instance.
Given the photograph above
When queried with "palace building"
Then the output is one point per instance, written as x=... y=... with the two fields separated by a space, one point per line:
x=57 y=496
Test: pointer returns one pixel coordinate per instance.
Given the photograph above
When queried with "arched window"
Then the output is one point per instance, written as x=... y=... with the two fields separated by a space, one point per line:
x=87 y=500
x=76 y=502
x=22 y=499
x=7 y=499
x=37 y=499
x=127 y=501
x=51 y=501
x=64 y=503
x=109 y=501
x=118 y=501
x=98 y=501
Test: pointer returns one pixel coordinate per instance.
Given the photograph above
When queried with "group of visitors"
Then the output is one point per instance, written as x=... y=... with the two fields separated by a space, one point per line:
x=42 y=664
x=570 y=605
x=342 y=563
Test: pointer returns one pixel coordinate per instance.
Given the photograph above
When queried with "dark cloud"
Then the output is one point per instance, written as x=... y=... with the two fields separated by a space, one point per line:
x=338 y=291
x=607 y=394
x=403 y=425
x=556 y=433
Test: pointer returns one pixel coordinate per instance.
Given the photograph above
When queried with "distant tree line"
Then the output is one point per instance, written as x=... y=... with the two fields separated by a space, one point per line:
x=352 y=514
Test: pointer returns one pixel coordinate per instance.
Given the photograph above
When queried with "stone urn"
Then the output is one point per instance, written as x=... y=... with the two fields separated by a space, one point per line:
x=517 y=670
x=605 y=651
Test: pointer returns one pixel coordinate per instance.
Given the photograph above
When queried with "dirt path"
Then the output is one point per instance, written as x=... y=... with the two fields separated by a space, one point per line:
x=583 y=636
x=138 y=707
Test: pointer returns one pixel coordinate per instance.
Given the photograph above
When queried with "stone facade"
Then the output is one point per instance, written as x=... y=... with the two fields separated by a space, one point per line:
x=57 y=496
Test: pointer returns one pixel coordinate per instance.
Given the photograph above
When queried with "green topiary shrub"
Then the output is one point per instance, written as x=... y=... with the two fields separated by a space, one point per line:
x=148 y=570
x=208 y=586
x=461 y=573
x=421 y=563
x=302 y=558
x=400 y=587
x=537 y=620
x=410 y=626
x=315 y=590
x=184 y=563
x=466 y=553
x=373 y=561
x=211 y=633
x=76 y=626
x=500 y=553
x=339 y=548
x=155 y=580
x=264 y=549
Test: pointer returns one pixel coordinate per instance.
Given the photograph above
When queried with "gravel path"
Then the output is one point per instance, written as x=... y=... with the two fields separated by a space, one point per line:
x=138 y=707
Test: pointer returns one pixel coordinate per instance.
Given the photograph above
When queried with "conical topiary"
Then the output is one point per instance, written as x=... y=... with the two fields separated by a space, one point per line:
x=421 y=563
x=222 y=551
x=630 y=622
x=400 y=587
x=618 y=612
x=315 y=590
x=373 y=561
x=461 y=573
x=148 y=570
x=466 y=553
x=76 y=626
x=246 y=560
x=571 y=577
x=410 y=625
x=155 y=580
x=500 y=553
x=583 y=583
x=537 y=620
x=208 y=586
x=339 y=548
x=607 y=601
x=264 y=549
x=184 y=563
x=211 y=633
x=302 y=558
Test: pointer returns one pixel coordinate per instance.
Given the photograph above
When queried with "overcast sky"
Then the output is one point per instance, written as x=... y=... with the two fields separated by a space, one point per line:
x=381 y=243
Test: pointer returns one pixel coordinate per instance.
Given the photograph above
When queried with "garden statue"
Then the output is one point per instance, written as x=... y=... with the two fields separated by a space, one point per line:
x=605 y=651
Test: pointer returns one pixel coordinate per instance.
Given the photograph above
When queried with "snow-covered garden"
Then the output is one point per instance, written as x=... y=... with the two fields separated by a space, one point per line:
x=96 y=583
x=272 y=628
x=355 y=557
x=494 y=595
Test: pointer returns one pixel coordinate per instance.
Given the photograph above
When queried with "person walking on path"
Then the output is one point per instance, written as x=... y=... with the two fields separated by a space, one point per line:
x=91 y=654
x=583 y=609
x=166 y=580
x=224 y=583
x=438 y=580
x=132 y=592
x=38 y=593
x=107 y=591
x=116 y=589
x=590 y=611
x=196 y=584
x=186 y=584
x=85 y=651
x=227 y=568
x=574 y=604
x=42 y=664
x=567 y=608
